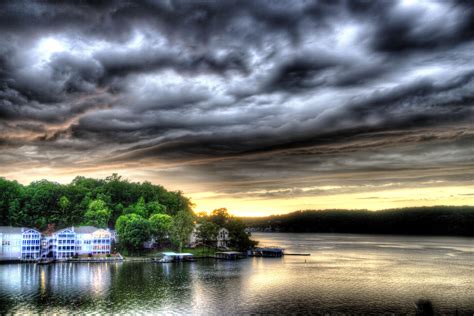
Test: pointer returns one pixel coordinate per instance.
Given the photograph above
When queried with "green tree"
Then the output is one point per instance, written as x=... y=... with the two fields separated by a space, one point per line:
x=97 y=214
x=118 y=191
x=63 y=203
x=138 y=208
x=15 y=213
x=160 y=225
x=10 y=200
x=155 y=207
x=239 y=238
x=183 y=224
x=40 y=204
x=175 y=202
x=133 y=230
x=207 y=232
x=79 y=193
x=220 y=216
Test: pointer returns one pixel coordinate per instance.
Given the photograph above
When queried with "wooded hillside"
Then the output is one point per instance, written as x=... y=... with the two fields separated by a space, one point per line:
x=84 y=199
x=436 y=220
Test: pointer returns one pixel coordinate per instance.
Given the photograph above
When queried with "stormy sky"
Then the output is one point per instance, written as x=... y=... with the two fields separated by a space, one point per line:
x=259 y=106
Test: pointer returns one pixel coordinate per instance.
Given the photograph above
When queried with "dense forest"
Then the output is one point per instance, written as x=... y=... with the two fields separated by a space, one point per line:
x=436 y=220
x=43 y=202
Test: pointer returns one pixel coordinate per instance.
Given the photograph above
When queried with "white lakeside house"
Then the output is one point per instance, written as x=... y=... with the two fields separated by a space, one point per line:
x=81 y=240
x=64 y=243
x=19 y=243
x=222 y=240
x=92 y=240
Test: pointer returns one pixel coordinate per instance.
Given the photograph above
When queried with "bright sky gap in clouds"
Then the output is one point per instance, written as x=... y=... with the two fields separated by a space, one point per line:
x=259 y=106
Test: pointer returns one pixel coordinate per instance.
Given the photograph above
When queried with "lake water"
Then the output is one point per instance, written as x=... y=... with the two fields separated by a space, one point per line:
x=344 y=274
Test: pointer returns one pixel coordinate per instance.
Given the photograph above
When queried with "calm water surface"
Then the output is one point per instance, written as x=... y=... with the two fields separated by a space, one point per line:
x=344 y=274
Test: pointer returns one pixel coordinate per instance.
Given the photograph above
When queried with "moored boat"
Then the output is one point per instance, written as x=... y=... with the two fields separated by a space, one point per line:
x=175 y=257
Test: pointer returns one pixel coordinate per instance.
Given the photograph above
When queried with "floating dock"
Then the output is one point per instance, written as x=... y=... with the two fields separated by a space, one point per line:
x=175 y=257
x=297 y=254
x=229 y=255
x=268 y=252
x=273 y=252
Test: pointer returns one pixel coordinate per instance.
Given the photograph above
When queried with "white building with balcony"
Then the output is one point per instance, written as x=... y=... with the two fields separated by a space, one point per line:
x=19 y=243
x=92 y=240
x=30 y=244
x=64 y=243
x=81 y=240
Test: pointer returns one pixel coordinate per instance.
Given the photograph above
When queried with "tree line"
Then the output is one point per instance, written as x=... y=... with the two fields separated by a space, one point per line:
x=84 y=200
x=436 y=220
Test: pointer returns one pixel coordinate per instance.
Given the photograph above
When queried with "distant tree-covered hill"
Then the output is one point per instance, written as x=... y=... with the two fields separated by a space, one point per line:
x=436 y=220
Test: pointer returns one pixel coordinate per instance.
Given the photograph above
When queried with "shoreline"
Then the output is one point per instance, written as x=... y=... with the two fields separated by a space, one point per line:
x=124 y=259
x=361 y=234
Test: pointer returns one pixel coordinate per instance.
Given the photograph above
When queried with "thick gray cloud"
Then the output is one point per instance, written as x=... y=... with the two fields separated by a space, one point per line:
x=235 y=91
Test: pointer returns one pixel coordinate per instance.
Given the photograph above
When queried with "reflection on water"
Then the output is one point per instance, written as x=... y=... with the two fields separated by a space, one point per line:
x=345 y=273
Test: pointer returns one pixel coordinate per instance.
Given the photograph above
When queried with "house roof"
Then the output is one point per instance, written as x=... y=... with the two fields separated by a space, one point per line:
x=86 y=229
x=11 y=230
x=25 y=229
x=81 y=229
x=15 y=230
x=61 y=230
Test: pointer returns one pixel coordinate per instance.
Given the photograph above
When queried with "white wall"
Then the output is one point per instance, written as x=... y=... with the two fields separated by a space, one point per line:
x=84 y=244
x=10 y=247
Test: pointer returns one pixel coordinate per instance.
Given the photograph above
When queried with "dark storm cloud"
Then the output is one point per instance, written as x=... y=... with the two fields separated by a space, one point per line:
x=149 y=61
x=241 y=90
x=424 y=27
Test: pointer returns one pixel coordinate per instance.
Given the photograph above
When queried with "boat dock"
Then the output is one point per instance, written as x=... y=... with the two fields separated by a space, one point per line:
x=175 y=257
x=268 y=252
x=297 y=254
x=229 y=255
x=273 y=252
